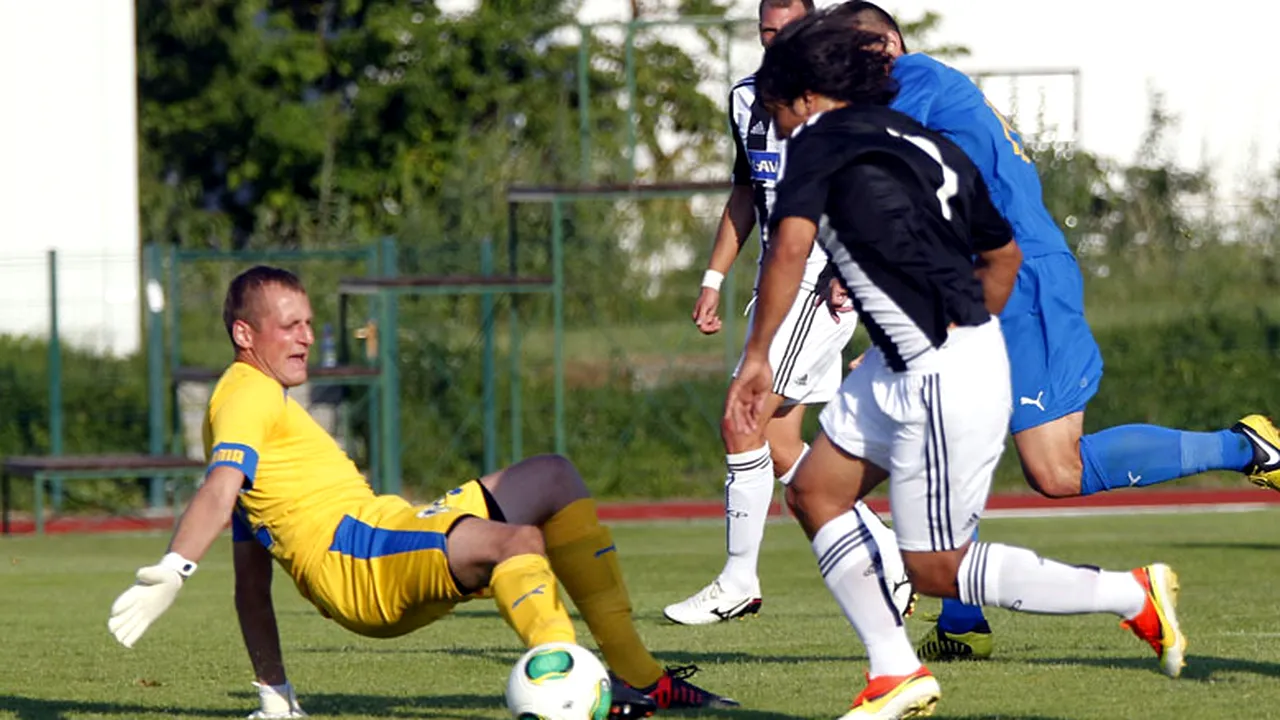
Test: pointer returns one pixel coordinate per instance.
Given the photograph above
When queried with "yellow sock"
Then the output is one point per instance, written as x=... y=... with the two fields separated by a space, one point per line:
x=583 y=556
x=527 y=596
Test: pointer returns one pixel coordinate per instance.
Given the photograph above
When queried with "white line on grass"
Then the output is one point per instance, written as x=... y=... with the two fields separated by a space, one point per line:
x=1199 y=508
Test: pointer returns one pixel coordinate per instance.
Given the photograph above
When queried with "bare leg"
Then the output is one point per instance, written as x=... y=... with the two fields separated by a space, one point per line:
x=1050 y=456
x=531 y=491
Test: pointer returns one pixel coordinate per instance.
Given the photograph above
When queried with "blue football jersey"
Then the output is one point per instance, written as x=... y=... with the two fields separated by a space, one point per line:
x=945 y=100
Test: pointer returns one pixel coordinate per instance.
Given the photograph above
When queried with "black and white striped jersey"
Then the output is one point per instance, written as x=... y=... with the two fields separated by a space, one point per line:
x=758 y=162
x=907 y=210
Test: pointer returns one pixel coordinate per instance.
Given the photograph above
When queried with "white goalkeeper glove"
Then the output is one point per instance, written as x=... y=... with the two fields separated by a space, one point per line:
x=139 y=606
x=278 y=702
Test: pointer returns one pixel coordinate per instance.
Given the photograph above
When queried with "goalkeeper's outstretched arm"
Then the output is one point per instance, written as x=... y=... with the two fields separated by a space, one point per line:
x=206 y=517
x=157 y=585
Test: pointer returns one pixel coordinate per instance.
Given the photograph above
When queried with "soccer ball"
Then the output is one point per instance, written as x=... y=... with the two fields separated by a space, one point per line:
x=559 y=681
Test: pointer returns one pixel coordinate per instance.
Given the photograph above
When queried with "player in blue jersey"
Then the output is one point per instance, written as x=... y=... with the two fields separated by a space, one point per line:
x=1055 y=362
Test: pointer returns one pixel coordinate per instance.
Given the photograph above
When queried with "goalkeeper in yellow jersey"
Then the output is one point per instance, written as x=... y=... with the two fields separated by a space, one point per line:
x=376 y=564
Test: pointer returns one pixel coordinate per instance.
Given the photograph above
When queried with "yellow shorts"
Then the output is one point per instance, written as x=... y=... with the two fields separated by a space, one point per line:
x=387 y=571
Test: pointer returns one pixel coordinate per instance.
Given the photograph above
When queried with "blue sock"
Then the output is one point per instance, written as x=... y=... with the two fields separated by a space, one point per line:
x=958 y=618
x=1141 y=455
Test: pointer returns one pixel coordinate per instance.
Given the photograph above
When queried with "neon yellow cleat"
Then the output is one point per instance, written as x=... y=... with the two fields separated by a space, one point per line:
x=1264 y=471
x=894 y=697
x=1157 y=624
x=938 y=645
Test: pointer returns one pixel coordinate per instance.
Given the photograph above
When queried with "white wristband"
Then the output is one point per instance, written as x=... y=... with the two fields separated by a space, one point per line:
x=712 y=279
x=175 y=562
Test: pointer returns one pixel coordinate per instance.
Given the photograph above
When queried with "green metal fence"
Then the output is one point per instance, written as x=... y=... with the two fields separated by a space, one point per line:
x=70 y=386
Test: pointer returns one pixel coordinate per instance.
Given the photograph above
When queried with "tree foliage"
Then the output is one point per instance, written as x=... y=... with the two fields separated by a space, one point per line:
x=268 y=121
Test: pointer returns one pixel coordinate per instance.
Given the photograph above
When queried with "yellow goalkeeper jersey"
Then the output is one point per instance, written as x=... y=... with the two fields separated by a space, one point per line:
x=298 y=482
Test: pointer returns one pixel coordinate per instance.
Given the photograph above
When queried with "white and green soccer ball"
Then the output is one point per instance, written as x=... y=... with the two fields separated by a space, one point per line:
x=559 y=681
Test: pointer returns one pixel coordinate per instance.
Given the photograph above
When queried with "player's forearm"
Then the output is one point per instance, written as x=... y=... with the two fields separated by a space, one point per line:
x=997 y=270
x=736 y=222
x=207 y=515
x=261 y=635
x=780 y=278
x=256 y=611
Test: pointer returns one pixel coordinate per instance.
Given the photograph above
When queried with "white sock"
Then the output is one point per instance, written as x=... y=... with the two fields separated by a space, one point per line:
x=1018 y=579
x=748 y=491
x=789 y=474
x=844 y=550
x=886 y=539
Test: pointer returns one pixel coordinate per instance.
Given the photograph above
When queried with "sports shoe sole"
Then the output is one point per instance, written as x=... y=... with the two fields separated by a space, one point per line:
x=750 y=610
x=1164 y=586
x=918 y=699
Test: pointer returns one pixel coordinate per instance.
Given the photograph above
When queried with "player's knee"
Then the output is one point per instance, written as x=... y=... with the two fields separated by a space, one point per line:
x=933 y=574
x=558 y=478
x=736 y=442
x=1054 y=477
x=812 y=505
x=558 y=469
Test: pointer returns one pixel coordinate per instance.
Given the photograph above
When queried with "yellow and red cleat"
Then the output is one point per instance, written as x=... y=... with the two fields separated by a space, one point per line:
x=1157 y=624
x=895 y=697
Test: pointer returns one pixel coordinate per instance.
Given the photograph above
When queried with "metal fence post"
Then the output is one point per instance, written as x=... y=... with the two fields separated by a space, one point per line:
x=488 y=392
x=557 y=295
x=56 y=418
x=732 y=346
x=388 y=361
x=584 y=101
x=374 y=394
x=155 y=364
x=630 y=64
x=172 y=309
x=517 y=425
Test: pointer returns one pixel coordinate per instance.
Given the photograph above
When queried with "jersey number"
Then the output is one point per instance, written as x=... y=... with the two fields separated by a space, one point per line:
x=1008 y=133
x=950 y=181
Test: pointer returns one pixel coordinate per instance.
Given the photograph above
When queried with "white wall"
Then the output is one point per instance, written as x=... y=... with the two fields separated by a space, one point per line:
x=68 y=169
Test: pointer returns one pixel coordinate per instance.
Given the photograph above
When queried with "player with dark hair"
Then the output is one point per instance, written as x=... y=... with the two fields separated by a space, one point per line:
x=928 y=408
x=375 y=564
x=807 y=360
x=1056 y=364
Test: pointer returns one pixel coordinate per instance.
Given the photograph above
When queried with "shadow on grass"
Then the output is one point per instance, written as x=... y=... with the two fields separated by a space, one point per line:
x=942 y=715
x=446 y=706
x=1200 y=668
x=507 y=656
x=425 y=706
x=341 y=704
x=640 y=617
x=26 y=708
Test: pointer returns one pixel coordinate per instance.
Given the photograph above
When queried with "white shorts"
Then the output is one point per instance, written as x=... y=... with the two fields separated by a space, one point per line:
x=806 y=354
x=938 y=429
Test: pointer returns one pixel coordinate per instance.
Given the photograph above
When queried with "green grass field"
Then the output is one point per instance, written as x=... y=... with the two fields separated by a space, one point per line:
x=799 y=659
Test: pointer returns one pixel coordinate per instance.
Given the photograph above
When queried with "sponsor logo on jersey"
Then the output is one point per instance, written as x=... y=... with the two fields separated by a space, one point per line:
x=764 y=165
x=229 y=456
x=436 y=508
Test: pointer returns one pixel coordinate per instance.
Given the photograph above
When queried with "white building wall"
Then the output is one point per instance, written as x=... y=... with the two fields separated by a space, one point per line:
x=69 y=170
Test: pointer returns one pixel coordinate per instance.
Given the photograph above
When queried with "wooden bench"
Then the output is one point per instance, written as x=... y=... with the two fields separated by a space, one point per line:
x=42 y=469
